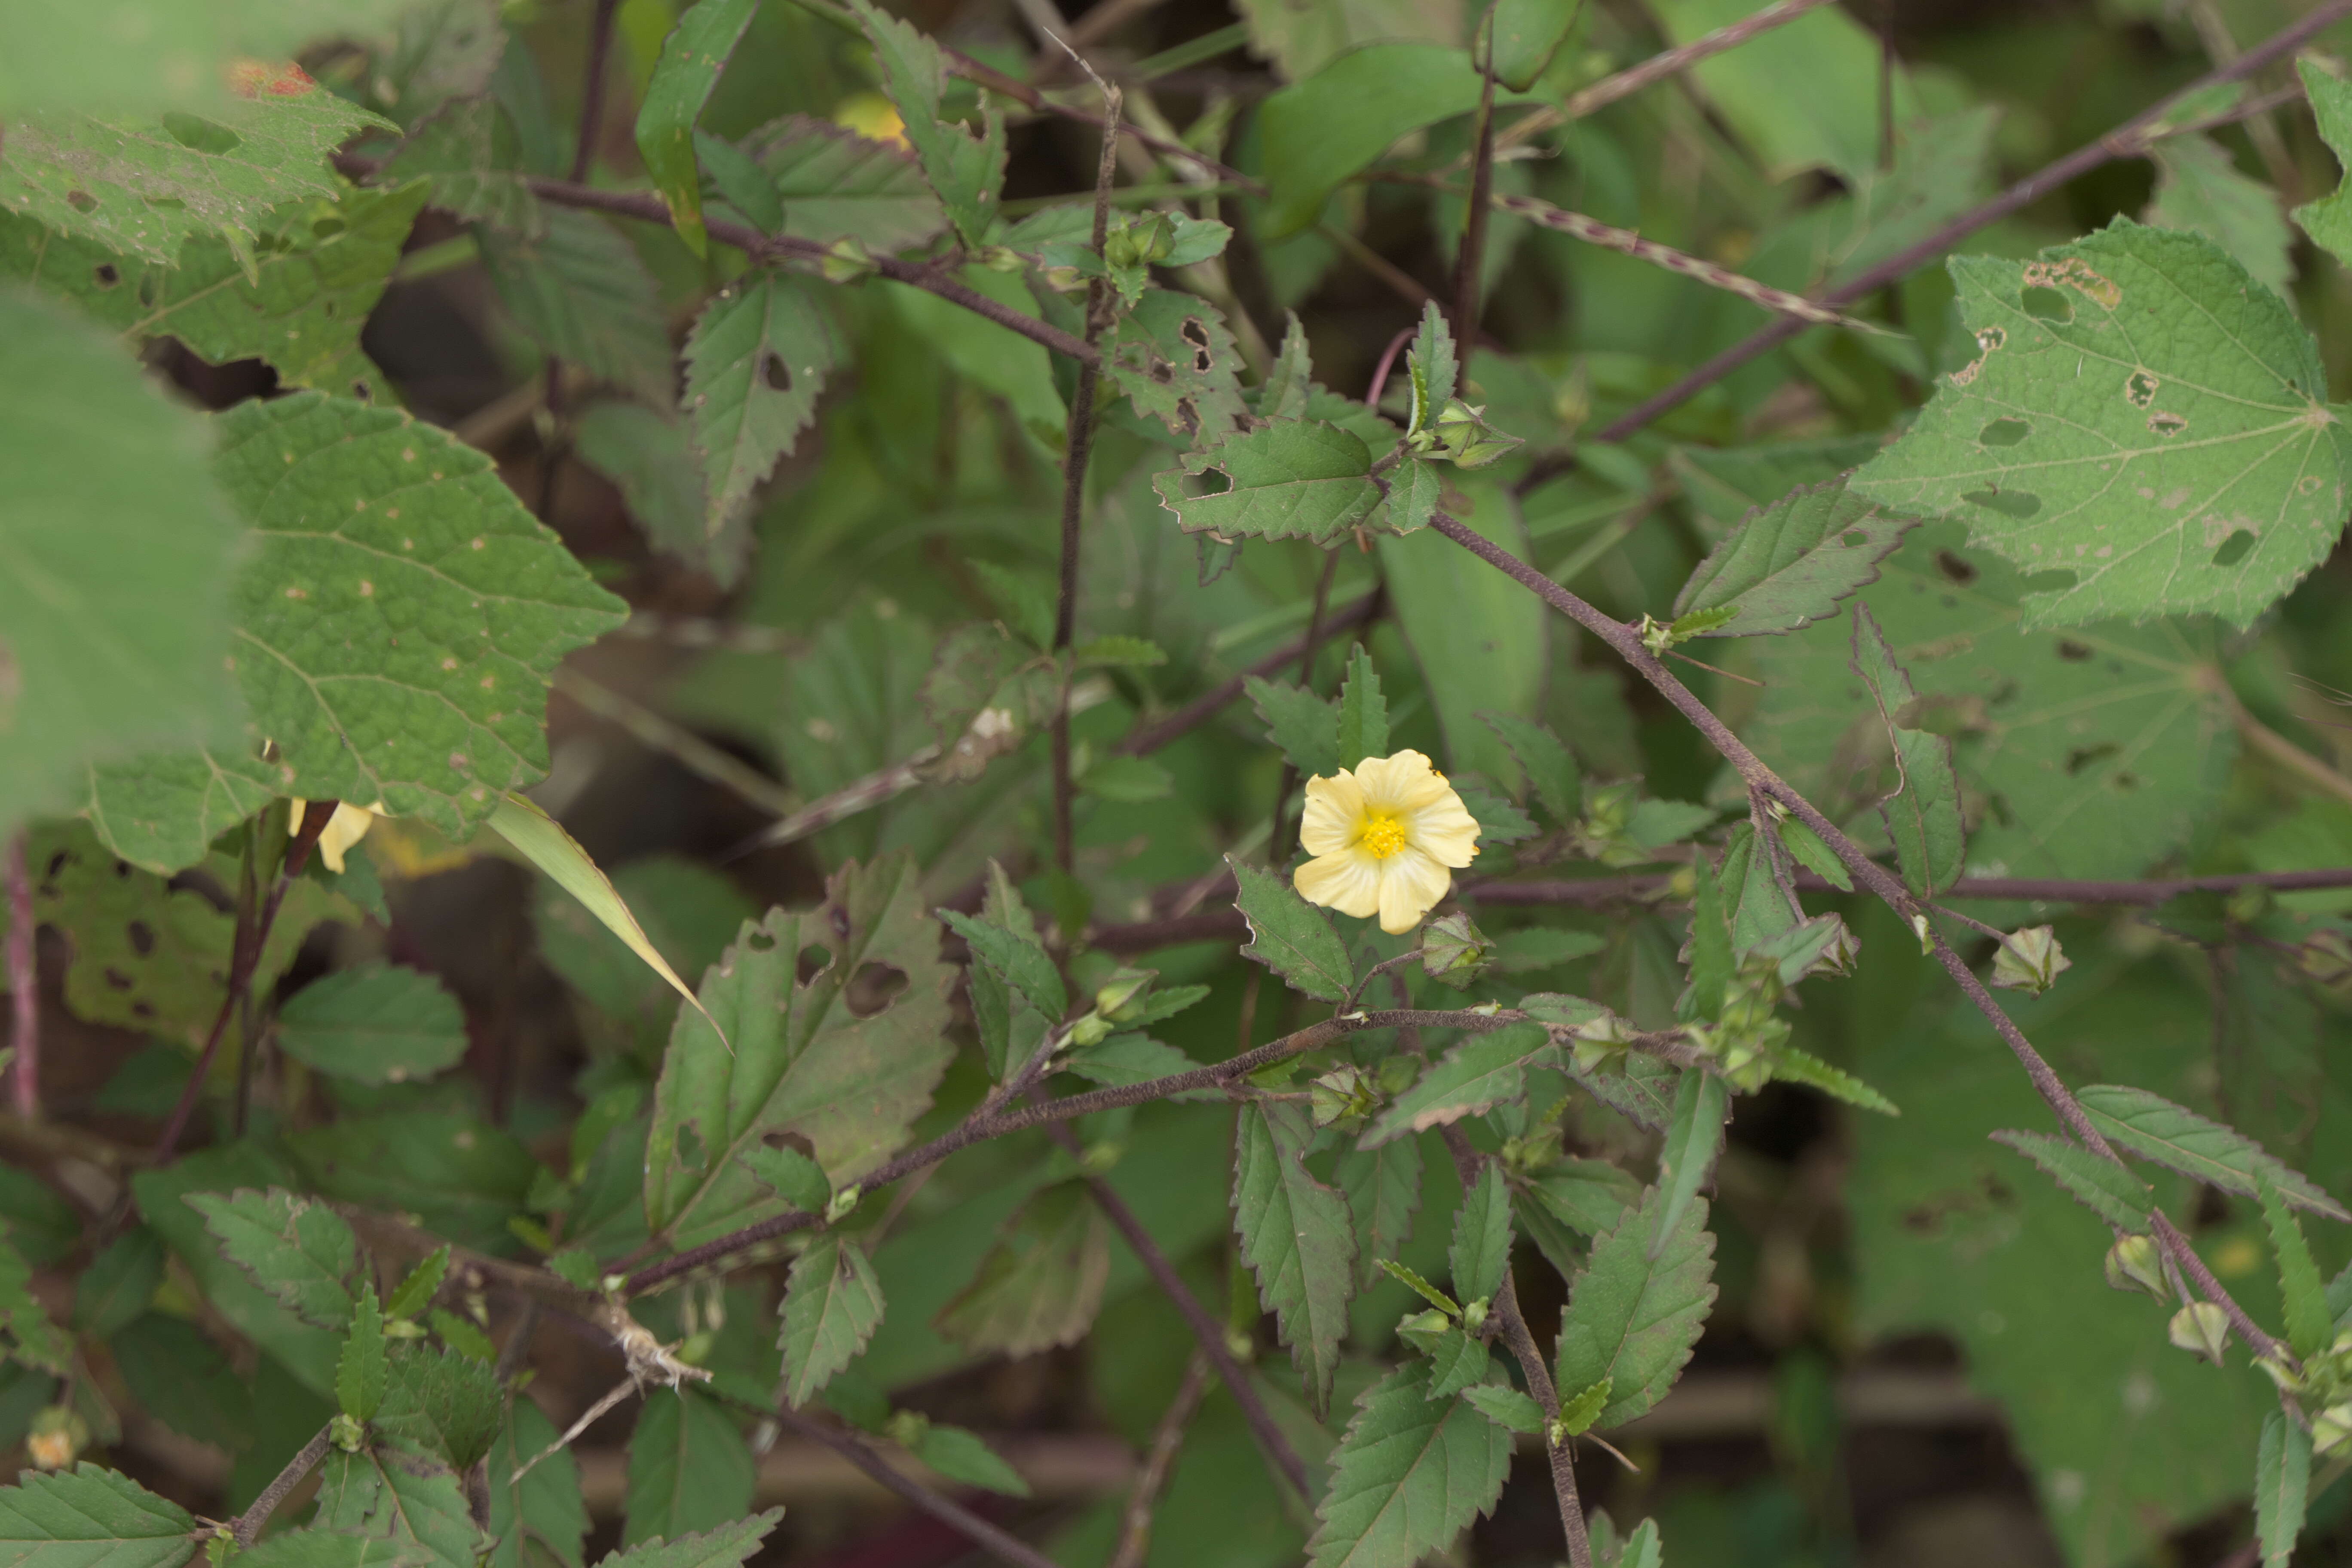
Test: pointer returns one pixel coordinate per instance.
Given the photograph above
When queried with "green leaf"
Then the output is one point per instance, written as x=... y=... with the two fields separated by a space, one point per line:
x=2281 y=1483
x=1364 y=711
x=1408 y=1477
x=1830 y=120
x=463 y=155
x=836 y=185
x=722 y=1547
x=1694 y=1138
x=377 y=1024
x=1787 y=564
x=837 y=1059
x=545 y=1506
x=1481 y=1253
x=755 y=362
x=543 y=842
x=691 y=58
x=992 y=356
x=1794 y=1065
x=792 y=1175
x=689 y=1470
x=1300 y=40
x=181 y=1377
x=579 y=292
x=1473 y=1078
x=967 y=172
x=1175 y=359
x=2099 y=1184
x=326 y=1548
x=1430 y=365
x=1305 y=726
x=1291 y=380
x=1711 y=960
x=1587 y=1195
x=1303 y=480
x=1416 y=490
x=146 y=189
x=419 y=1504
x=1923 y=817
x=1634 y=1315
x=650 y=457
x=2309 y=1324
x=452 y=1173
x=30 y=1337
x=362 y=1373
x=1120 y=652
x=1040 y=1284
x=1129 y=1058
x=443 y=1403
x=1458 y=1361
x=1545 y=760
x=298 y=1249
x=91 y=1517
x=2197 y=186
x=123 y=553
x=1383 y=1191
x=831 y=1307
x=2328 y=220
x=2140 y=404
x=1577 y=1414
x=415 y=1292
x=2155 y=1129
x=119 y=1283
x=1420 y=1286
x=1019 y=957
x=1290 y=936
x=1526 y=34
x=1296 y=1237
x=961 y=1456
x=1010 y=1029
x=1506 y=1407
x=162 y=811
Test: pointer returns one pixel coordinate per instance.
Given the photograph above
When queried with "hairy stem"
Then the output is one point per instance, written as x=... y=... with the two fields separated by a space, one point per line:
x=1469 y=264
x=1889 y=888
x=592 y=89
x=24 y=983
x=247 y=1527
x=1166 y=1439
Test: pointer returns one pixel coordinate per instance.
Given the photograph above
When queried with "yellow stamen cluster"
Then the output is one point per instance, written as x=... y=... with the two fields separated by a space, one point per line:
x=1383 y=836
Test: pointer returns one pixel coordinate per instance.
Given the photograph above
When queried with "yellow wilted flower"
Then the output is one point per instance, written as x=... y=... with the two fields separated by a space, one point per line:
x=1383 y=838
x=346 y=828
x=872 y=116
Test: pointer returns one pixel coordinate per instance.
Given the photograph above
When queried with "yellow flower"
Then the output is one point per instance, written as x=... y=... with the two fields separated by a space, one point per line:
x=1383 y=838
x=346 y=828
x=872 y=116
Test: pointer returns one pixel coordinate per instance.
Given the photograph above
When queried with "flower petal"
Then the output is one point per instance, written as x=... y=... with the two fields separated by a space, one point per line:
x=1350 y=881
x=1333 y=814
x=1446 y=831
x=1403 y=781
x=1411 y=885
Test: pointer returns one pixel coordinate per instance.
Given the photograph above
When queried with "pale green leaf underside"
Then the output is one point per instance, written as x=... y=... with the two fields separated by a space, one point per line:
x=2143 y=415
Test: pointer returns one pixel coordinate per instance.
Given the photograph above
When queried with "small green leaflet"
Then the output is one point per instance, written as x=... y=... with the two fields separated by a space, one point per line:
x=296 y=1249
x=1694 y=1138
x=2309 y=1324
x=1408 y=1477
x=91 y=1517
x=1403 y=1275
x=1304 y=479
x=1787 y=564
x=831 y=1307
x=1430 y=366
x=2282 y=1479
x=545 y=1506
x=2143 y=415
x=2198 y=186
x=792 y=1175
x=1481 y=1253
x=146 y=189
x=691 y=58
x=2099 y=1184
x=361 y=1374
x=1416 y=489
x=689 y=1470
x=836 y=185
x=1296 y=1237
x=1290 y=936
x=1711 y=959
x=446 y=1403
x=423 y=1504
x=456 y=151
x=723 y=1547
x=1632 y=1318
x=966 y=171
x=1923 y=817
x=1795 y=1066
x=2328 y=220
x=380 y=1022
x=1291 y=380
x=1506 y=1407
x=1475 y=1076
x=415 y=1292
x=2172 y=1135
x=1018 y=957
x=1305 y=726
x=1577 y=1414
x=755 y=362
x=1364 y=711
x=1548 y=766
x=962 y=1456
x=1383 y=1188
x=1458 y=1361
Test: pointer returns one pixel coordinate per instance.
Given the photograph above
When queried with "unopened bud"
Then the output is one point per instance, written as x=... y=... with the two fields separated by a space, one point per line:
x=55 y=1438
x=1091 y=1030
x=2135 y=1264
x=1119 y=998
x=2331 y=1429
x=2201 y=1329
x=2030 y=961
x=1453 y=951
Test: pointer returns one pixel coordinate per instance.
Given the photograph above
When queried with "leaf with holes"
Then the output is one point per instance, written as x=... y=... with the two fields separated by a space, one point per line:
x=966 y=170
x=691 y=58
x=579 y=292
x=1923 y=815
x=92 y=1517
x=1296 y=1237
x=1174 y=357
x=831 y=1307
x=1787 y=564
x=836 y=184
x=401 y=612
x=1635 y=1313
x=144 y=189
x=2143 y=415
x=376 y=1024
x=1299 y=480
x=1408 y=1477
x=755 y=362
x=1290 y=936
x=1040 y=1284
x=836 y=1018
x=2094 y=753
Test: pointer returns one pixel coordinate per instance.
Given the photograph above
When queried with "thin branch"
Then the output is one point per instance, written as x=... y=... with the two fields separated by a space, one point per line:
x=248 y=1527
x=1657 y=67
x=1148 y=738
x=2280 y=750
x=1167 y=1440
x=253 y=936
x=1209 y=1332
x=591 y=91
x=857 y=795
x=24 y=984
x=675 y=741
x=2130 y=140
x=1876 y=878
x=1470 y=263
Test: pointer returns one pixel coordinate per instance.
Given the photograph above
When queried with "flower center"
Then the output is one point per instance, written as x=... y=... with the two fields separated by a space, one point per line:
x=1382 y=836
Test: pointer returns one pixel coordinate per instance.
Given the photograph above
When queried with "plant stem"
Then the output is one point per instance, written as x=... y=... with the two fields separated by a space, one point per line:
x=1167 y=1440
x=1627 y=641
x=1146 y=739
x=24 y=983
x=245 y=957
x=1657 y=67
x=1206 y=1330
x=1471 y=260
x=592 y=89
x=247 y=1527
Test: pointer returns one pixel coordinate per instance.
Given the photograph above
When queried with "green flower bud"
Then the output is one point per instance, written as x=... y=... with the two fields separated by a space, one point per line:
x=345 y=1433
x=1091 y=1030
x=2030 y=961
x=2133 y=1263
x=2331 y=1428
x=1453 y=952
x=1343 y=1094
x=1121 y=998
x=2203 y=1329
x=1424 y=1330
